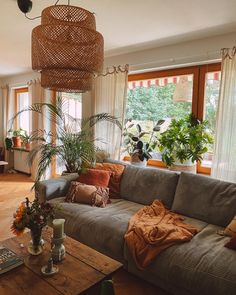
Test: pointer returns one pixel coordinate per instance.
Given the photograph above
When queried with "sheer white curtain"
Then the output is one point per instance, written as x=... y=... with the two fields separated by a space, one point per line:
x=109 y=96
x=224 y=162
x=8 y=105
x=38 y=121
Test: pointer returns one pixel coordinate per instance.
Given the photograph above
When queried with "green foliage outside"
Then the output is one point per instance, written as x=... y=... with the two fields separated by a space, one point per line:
x=155 y=103
x=148 y=105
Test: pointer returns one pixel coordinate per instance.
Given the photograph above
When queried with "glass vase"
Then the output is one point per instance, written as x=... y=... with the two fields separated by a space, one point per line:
x=36 y=244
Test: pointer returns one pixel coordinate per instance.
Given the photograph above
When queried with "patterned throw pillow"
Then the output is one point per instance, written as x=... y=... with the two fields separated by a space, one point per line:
x=230 y=230
x=95 y=177
x=116 y=171
x=232 y=243
x=87 y=194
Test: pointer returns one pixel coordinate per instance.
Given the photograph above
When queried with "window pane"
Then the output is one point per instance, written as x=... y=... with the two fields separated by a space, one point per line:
x=212 y=88
x=164 y=98
x=73 y=107
x=24 y=119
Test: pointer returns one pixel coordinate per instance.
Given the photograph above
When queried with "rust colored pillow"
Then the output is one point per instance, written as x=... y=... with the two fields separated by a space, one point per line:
x=95 y=177
x=87 y=194
x=115 y=179
x=232 y=243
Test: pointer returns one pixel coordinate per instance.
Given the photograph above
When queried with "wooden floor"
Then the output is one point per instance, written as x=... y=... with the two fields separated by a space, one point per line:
x=14 y=188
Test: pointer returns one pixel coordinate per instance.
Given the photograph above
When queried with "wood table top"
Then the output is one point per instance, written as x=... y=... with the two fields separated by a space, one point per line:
x=82 y=269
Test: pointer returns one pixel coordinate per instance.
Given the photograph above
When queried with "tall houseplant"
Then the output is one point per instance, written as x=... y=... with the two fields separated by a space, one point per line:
x=72 y=142
x=184 y=143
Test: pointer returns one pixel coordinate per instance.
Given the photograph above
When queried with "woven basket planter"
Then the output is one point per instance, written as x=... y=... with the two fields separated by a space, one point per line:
x=185 y=167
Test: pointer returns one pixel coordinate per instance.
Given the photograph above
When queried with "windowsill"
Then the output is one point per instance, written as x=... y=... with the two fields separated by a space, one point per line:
x=22 y=149
x=160 y=164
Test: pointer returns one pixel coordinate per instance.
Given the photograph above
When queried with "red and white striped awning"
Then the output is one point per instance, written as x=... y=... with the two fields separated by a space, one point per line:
x=168 y=80
x=157 y=82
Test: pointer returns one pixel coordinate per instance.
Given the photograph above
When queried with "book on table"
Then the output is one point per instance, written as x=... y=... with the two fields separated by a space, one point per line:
x=8 y=260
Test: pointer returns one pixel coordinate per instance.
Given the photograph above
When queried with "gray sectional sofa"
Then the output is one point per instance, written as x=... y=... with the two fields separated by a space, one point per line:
x=202 y=266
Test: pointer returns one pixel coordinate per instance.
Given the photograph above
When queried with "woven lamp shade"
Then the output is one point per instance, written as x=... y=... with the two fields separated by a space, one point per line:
x=67 y=49
x=75 y=81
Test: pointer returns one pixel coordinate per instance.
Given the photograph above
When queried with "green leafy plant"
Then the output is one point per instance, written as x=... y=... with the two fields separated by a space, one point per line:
x=18 y=132
x=72 y=142
x=138 y=141
x=185 y=139
x=25 y=138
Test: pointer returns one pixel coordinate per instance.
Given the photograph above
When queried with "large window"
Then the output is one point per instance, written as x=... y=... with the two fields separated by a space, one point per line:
x=174 y=94
x=21 y=102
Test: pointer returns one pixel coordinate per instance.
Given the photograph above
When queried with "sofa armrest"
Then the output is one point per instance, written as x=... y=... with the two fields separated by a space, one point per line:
x=54 y=188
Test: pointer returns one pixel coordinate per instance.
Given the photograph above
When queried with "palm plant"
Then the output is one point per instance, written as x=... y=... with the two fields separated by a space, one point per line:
x=72 y=142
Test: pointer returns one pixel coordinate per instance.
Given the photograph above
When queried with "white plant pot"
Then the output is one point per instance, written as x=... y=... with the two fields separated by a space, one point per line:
x=139 y=164
x=186 y=166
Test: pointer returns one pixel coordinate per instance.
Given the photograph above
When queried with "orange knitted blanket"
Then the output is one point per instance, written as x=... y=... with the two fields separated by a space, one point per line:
x=153 y=229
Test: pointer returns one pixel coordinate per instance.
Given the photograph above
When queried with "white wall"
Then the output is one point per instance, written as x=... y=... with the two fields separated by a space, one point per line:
x=186 y=53
x=19 y=80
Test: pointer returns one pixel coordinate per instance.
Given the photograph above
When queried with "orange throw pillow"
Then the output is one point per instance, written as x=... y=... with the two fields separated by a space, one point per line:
x=95 y=177
x=115 y=179
x=232 y=243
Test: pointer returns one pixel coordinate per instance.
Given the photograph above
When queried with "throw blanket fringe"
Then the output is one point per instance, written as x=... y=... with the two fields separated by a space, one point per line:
x=153 y=229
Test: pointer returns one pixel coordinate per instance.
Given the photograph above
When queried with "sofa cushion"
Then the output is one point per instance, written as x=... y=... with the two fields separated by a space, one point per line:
x=87 y=194
x=95 y=177
x=144 y=185
x=205 y=198
x=100 y=228
x=115 y=179
x=202 y=266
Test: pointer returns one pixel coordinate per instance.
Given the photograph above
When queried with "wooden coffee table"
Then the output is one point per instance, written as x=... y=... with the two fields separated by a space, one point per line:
x=81 y=272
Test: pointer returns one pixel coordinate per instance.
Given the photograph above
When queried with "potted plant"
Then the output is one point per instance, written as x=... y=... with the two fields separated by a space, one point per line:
x=72 y=142
x=17 y=137
x=26 y=141
x=184 y=143
x=138 y=143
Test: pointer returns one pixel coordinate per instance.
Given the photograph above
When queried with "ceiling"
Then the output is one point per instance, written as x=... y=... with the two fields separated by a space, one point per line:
x=127 y=25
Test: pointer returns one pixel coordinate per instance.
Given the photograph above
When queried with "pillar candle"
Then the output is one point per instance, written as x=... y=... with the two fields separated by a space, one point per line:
x=58 y=228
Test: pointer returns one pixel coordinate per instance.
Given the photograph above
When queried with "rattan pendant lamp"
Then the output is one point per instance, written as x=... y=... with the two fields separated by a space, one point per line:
x=67 y=49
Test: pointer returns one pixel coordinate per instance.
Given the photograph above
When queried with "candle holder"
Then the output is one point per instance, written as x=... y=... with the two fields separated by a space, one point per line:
x=58 y=249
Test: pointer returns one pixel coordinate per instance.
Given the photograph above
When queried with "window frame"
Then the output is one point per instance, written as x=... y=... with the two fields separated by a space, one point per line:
x=199 y=76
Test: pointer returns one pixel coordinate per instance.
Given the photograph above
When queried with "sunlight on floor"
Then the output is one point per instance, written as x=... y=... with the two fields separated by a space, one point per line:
x=14 y=188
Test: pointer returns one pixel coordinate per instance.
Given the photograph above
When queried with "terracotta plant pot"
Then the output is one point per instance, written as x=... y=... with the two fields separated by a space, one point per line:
x=16 y=141
x=27 y=146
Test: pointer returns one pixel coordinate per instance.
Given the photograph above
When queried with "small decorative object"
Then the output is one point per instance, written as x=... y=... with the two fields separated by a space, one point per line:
x=49 y=269
x=35 y=216
x=184 y=143
x=58 y=249
x=139 y=150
